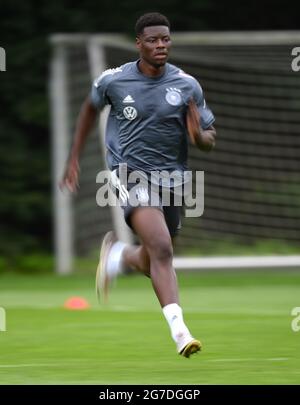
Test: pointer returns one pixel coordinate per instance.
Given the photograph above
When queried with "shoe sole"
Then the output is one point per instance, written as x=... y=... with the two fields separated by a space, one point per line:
x=102 y=281
x=193 y=347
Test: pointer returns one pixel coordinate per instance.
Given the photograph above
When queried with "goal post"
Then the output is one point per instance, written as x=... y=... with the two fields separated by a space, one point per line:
x=62 y=202
x=252 y=193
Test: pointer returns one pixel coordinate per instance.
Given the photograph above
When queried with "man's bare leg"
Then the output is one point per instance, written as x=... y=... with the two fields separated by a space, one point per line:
x=155 y=257
x=137 y=258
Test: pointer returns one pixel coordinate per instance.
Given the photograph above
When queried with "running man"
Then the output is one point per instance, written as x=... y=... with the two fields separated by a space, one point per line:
x=155 y=109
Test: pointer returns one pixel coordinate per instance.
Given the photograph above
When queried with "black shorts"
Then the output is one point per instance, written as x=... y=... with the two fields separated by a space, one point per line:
x=143 y=194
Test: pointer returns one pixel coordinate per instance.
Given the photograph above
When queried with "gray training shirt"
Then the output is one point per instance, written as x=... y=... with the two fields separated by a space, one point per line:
x=146 y=126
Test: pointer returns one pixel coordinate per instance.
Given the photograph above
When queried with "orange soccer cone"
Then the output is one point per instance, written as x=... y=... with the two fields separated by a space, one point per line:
x=76 y=303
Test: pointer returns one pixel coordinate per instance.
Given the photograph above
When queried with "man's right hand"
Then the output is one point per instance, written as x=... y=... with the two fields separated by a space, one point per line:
x=70 y=177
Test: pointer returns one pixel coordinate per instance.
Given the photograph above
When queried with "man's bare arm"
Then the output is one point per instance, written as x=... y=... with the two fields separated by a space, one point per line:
x=204 y=139
x=85 y=122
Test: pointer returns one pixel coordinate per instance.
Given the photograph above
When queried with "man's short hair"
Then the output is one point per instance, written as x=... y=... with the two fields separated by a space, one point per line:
x=150 y=20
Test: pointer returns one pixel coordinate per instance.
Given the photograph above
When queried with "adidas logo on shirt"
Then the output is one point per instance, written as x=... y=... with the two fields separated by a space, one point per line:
x=128 y=99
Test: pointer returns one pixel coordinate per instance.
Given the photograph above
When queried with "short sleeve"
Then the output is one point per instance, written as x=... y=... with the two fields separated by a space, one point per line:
x=207 y=117
x=99 y=93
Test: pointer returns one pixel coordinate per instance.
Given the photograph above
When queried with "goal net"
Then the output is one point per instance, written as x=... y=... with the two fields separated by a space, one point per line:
x=252 y=193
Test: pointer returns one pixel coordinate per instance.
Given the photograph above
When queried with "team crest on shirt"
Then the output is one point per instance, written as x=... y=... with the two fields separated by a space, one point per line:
x=130 y=113
x=173 y=96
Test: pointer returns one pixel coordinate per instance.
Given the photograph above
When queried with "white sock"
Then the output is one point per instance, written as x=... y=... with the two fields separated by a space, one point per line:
x=173 y=315
x=115 y=262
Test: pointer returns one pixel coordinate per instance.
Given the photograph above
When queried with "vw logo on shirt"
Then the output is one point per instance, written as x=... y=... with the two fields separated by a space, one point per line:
x=130 y=113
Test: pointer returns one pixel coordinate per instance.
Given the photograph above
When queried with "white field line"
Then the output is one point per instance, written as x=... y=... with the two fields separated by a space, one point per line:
x=236 y=262
x=203 y=360
x=122 y=308
x=30 y=365
x=246 y=360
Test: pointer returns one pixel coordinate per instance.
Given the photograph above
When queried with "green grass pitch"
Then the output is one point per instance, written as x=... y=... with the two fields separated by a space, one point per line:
x=242 y=318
